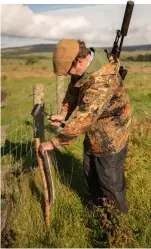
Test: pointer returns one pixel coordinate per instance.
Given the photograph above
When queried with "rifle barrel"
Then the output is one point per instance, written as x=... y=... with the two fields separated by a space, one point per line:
x=127 y=17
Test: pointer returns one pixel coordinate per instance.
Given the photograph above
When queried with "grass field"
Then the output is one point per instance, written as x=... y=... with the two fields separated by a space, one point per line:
x=73 y=223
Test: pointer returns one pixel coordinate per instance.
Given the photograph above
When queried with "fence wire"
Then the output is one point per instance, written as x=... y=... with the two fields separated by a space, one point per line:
x=18 y=153
x=32 y=94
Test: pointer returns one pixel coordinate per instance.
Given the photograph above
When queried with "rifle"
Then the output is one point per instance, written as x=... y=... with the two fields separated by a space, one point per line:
x=117 y=45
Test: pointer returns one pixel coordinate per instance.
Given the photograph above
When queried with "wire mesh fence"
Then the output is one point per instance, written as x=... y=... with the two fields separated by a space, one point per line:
x=18 y=152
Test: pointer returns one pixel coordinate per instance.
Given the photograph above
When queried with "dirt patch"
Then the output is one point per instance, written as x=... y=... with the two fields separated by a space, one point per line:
x=48 y=74
x=146 y=69
x=24 y=74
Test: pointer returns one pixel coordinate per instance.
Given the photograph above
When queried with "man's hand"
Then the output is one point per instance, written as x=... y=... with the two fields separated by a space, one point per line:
x=112 y=60
x=55 y=120
x=45 y=146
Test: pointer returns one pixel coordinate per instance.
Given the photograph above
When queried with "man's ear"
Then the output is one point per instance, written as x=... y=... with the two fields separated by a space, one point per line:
x=80 y=60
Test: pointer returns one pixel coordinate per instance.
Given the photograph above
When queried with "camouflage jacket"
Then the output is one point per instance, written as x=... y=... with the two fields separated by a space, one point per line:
x=102 y=110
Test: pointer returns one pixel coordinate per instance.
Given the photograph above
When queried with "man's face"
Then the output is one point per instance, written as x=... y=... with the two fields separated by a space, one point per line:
x=79 y=69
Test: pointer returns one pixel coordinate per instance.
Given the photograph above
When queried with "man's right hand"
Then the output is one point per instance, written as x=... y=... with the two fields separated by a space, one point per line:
x=56 y=120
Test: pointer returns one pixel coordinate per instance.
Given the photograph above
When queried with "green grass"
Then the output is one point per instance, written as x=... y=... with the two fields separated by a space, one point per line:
x=73 y=224
x=19 y=65
x=20 y=88
x=38 y=55
x=66 y=217
x=139 y=89
x=17 y=62
x=134 y=53
x=138 y=182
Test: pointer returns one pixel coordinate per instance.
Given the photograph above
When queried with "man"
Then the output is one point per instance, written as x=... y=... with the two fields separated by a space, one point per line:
x=103 y=114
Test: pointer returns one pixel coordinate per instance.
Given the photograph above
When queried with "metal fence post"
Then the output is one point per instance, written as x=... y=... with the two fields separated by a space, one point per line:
x=38 y=96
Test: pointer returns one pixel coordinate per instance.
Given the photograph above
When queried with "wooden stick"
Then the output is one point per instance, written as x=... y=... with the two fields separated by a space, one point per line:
x=59 y=92
x=44 y=183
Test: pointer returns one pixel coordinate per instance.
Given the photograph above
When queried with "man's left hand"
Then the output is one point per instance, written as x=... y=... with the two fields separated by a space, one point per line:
x=46 y=146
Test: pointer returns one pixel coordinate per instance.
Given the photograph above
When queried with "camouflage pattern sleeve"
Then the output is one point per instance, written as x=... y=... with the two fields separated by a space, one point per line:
x=70 y=100
x=99 y=89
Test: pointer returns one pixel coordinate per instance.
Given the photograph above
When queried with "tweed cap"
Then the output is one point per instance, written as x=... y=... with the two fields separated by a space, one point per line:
x=65 y=52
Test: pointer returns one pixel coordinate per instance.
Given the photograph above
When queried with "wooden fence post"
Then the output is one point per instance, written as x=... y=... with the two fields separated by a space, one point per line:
x=59 y=92
x=3 y=97
x=38 y=96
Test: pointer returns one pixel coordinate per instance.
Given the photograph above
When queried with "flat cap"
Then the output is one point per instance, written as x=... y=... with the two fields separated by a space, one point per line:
x=65 y=52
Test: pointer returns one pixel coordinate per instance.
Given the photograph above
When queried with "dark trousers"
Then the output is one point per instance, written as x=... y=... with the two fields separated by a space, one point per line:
x=105 y=178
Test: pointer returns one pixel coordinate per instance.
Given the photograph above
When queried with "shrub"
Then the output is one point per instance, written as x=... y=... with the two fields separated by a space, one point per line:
x=139 y=57
x=31 y=60
x=4 y=77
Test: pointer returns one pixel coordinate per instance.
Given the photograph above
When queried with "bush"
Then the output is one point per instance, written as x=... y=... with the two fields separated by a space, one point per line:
x=139 y=57
x=3 y=77
x=31 y=60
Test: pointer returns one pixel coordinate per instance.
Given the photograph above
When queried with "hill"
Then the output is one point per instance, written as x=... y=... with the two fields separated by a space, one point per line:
x=50 y=48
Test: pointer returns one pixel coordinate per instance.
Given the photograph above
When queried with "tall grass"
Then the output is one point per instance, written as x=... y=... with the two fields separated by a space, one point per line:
x=72 y=223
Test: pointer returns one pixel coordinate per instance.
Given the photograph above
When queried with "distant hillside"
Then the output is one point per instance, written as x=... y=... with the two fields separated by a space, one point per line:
x=30 y=49
x=50 y=48
x=146 y=47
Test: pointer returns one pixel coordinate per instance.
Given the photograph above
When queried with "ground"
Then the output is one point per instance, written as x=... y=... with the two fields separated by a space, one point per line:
x=73 y=222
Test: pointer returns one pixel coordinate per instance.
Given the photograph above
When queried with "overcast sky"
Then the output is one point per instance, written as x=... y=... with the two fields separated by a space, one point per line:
x=95 y=24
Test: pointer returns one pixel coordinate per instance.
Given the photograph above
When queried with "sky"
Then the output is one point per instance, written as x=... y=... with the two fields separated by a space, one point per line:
x=96 y=24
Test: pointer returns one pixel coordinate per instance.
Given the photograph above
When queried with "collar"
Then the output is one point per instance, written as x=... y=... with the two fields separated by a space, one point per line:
x=93 y=66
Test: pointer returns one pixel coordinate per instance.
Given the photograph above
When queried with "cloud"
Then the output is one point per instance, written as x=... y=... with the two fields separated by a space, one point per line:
x=96 y=25
x=19 y=20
